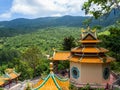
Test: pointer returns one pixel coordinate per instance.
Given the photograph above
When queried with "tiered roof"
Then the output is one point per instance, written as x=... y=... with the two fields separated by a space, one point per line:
x=52 y=82
x=88 y=52
x=61 y=55
x=10 y=74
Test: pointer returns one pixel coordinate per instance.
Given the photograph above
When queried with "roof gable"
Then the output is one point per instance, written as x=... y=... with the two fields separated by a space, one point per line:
x=89 y=36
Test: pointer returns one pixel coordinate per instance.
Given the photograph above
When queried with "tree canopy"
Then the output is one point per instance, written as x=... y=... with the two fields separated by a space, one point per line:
x=100 y=7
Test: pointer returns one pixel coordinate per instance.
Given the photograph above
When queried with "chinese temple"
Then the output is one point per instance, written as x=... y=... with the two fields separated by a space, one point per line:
x=52 y=82
x=88 y=62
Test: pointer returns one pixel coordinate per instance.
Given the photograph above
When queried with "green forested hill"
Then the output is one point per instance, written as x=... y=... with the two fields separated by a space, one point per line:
x=45 y=39
x=20 y=38
x=22 y=25
x=13 y=49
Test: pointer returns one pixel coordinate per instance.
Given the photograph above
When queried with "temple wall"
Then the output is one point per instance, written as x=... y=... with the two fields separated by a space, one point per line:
x=91 y=73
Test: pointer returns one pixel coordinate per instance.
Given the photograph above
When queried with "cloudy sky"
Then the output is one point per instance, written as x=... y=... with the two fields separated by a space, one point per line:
x=11 y=9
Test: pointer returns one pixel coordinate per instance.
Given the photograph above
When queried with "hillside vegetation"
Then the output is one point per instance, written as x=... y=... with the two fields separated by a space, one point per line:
x=26 y=52
x=23 y=26
x=45 y=39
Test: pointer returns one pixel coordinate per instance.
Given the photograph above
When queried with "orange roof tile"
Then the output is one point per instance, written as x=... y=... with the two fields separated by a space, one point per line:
x=38 y=83
x=63 y=84
x=75 y=59
x=89 y=41
x=2 y=83
x=78 y=49
x=52 y=82
x=3 y=80
x=90 y=59
x=89 y=50
x=50 y=85
x=61 y=56
x=11 y=73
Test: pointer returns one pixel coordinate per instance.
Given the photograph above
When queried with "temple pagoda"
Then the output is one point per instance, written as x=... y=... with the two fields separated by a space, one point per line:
x=88 y=62
x=52 y=82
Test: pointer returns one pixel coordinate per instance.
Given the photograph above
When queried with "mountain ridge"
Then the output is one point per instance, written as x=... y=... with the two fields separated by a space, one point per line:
x=24 y=25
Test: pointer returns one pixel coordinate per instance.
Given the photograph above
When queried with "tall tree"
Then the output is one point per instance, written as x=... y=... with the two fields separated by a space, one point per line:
x=112 y=42
x=100 y=7
x=32 y=56
x=68 y=43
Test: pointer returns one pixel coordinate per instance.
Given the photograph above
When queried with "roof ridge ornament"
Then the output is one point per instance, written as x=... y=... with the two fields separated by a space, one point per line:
x=51 y=67
x=85 y=33
x=88 y=29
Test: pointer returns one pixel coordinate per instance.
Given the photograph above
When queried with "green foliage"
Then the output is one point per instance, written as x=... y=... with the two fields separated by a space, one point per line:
x=115 y=66
x=45 y=39
x=28 y=87
x=102 y=7
x=87 y=87
x=68 y=43
x=24 y=26
x=26 y=52
x=1 y=89
x=87 y=22
x=104 y=33
x=98 y=27
x=32 y=56
x=112 y=41
x=72 y=87
x=7 y=55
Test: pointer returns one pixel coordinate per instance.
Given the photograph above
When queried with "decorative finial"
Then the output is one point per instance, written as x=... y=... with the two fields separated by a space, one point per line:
x=94 y=30
x=54 y=49
x=51 y=67
x=82 y=30
x=47 y=55
x=88 y=28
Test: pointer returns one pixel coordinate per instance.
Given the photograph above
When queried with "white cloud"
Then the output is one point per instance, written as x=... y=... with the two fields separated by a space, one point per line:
x=6 y=15
x=43 y=8
x=47 y=7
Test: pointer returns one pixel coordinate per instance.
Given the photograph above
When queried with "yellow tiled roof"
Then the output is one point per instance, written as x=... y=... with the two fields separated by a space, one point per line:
x=38 y=83
x=2 y=83
x=94 y=50
x=61 y=56
x=3 y=80
x=89 y=50
x=89 y=41
x=78 y=49
x=52 y=82
x=89 y=59
x=75 y=59
x=11 y=73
